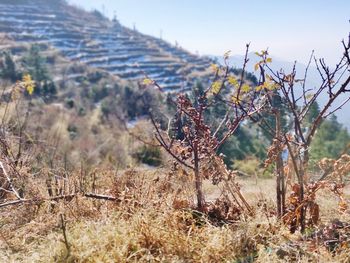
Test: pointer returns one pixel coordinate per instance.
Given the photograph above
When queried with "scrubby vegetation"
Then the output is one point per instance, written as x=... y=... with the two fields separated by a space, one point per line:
x=98 y=169
x=68 y=200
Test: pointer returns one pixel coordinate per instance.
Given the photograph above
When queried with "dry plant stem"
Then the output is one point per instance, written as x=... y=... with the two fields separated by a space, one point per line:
x=280 y=186
x=237 y=191
x=21 y=134
x=62 y=197
x=300 y=177
x=198 y=179
x=63 y=227
x=16 y=202
x=245 y=62
x=9 y=180
x=101 y=197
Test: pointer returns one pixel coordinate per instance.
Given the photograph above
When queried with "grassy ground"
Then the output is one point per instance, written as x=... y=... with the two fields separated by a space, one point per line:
x=152 y=221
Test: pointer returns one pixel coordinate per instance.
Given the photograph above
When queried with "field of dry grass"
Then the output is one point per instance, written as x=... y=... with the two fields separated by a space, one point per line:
x=152 y=220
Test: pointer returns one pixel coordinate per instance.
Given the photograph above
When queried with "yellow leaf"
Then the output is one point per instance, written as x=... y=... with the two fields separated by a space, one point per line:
x=309 y=96
x=214 y=67
x=235 y=99
x=233 y=81
x=30 y=89
x=268 y=85
x=216 y=87
x=258 y=54
x=262 y=86
x=27 y=78
x=275 y=86
x=268 y=60
x=259 y=88
x=28 y=83
x=147 y=81
x=245 y=88
x=257 y=65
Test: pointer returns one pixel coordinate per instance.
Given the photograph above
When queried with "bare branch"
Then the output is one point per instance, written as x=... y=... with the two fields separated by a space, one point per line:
x=9 y=180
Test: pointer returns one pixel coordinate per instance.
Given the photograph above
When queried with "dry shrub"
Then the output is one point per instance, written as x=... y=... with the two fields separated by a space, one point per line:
x=135 y=188
x=336 y=169
x=332 y=180
x=144 y=225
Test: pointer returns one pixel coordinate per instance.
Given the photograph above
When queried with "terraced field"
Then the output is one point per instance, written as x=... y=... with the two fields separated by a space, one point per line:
x=98 y=42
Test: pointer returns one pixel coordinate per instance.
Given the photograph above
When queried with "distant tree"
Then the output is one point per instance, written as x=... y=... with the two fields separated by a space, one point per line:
x=98 y=92
x=138 y=102
x=313 y=112
x=150 y=155
x=106 y=108
x=9 y=70
x=243 y=144
x=98 y=14
x=249 y=76
x=330 y=141
x=35 y=64
x=69 y=103
x=48 y=89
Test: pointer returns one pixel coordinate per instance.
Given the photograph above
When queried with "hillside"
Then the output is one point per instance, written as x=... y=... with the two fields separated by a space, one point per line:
x=98 y=42
x=98 y=164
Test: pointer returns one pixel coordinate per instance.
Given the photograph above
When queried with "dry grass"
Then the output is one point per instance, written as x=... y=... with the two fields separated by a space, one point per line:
x=145 y=226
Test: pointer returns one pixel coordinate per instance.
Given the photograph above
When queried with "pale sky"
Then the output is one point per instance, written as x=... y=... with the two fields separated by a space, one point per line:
x=291 y=29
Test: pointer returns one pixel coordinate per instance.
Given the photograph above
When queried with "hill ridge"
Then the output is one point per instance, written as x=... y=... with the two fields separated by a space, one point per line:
x=93 y=39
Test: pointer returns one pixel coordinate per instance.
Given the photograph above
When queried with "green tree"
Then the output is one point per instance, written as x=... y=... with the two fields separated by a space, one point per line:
x=48 y=89
x=330 y=141
x=150 y=155
x=313 y=112
x=36 y=64
x=9 y=70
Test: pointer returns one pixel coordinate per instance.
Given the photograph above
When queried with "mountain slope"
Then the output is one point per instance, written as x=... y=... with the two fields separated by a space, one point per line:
x=93 y=39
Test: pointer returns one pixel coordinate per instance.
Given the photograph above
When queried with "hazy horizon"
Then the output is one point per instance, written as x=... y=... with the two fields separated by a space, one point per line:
x=290 y=31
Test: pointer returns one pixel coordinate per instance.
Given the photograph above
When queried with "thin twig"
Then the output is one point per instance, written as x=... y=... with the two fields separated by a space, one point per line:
x=63 y=227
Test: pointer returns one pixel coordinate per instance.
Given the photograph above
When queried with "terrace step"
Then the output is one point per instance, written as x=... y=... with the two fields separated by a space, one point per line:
x=98 y=42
